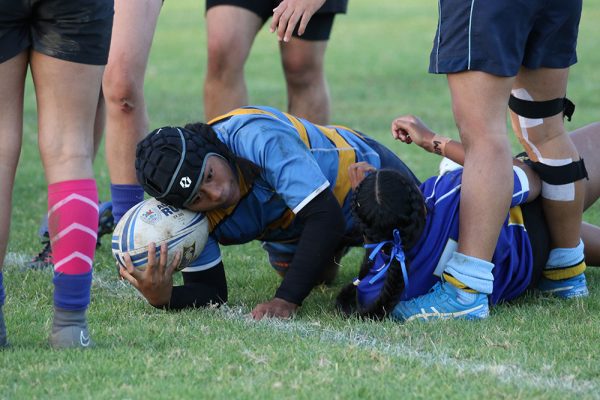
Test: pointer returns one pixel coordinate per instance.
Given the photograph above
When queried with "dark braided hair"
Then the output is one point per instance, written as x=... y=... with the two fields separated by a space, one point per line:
x=250 y=171
x=384 y=201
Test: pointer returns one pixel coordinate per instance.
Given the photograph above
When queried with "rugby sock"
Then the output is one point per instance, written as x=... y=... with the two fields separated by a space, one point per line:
x=565 y=263
x=469 y=274
x=73 y=227
x=2 y=326
x=123 y=198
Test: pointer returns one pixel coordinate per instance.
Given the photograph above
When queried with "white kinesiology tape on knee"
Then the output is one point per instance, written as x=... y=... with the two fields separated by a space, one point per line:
x=525 y=123
x=564 y=192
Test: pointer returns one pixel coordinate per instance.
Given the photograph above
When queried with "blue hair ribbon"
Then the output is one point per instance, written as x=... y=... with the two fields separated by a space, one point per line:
x=396 y=252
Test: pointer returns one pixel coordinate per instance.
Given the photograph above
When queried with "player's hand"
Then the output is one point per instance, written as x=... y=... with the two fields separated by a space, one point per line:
x=278 y=308
x=155 y=282
x=410 y=129
x=287 y=15
x=358 y=171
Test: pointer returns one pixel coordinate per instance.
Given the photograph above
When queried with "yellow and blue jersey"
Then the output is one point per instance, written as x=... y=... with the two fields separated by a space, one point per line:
x=512 y=259
x=298 y=160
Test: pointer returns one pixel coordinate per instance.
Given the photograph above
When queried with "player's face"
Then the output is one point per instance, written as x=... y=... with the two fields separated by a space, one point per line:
x=219 y=188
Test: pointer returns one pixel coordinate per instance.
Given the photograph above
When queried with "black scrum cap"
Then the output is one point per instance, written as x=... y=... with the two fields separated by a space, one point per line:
x=170 y=163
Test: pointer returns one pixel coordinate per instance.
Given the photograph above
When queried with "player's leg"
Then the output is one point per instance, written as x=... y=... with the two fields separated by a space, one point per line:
x=303 y=66
x=558 y=163
x=66 y=145
x=106 y=222
x=12 y=83
x=67 y=82
x=587 y=141
x=123 y=88
x=230 y=33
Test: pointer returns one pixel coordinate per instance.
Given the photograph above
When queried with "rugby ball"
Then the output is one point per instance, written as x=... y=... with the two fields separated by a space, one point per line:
x=153 y=221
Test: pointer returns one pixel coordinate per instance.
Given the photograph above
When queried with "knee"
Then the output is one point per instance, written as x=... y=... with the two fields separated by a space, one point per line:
x=223 y=58
x=122 y=90
x=302 y=71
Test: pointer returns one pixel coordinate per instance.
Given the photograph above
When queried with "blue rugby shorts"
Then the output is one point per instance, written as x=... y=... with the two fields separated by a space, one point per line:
x=500 y=36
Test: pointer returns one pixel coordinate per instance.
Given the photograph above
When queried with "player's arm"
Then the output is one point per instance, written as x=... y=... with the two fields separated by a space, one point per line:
x=410 y=129
x=155 y=282
x=323 y=229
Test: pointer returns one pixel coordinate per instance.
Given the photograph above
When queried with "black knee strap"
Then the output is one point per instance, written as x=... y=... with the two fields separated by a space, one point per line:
x=541 y=109
x=561 y=175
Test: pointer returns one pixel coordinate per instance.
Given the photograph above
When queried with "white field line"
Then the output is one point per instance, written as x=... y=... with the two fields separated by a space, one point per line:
x=507 y=373
x=17 y=259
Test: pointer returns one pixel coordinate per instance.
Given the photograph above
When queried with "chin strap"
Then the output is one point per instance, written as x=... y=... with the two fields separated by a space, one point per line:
x=383 y=261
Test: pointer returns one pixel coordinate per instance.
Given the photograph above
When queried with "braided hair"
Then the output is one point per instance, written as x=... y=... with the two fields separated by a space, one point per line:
x=384 y=201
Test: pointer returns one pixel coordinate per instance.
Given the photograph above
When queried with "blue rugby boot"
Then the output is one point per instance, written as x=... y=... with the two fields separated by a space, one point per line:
x=563 y=276
x=565 y=288
x=444 y=301
x=106 y=221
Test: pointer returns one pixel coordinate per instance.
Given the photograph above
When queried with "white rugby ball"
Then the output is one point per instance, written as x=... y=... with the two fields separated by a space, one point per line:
x=153 y=221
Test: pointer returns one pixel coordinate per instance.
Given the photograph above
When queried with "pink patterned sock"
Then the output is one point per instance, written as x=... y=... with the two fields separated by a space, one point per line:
x=73 y=225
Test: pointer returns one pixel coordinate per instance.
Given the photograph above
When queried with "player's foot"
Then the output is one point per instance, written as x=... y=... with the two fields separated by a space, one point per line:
x=106 y=224
x=565 y=288
x=106 y=221
x=43 y=259
x=69 y=329
x=444 y=301
x=70 y=337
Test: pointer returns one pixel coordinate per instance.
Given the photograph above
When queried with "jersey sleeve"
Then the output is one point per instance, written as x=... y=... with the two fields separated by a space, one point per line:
x=210 y=256
x=287 y=163
x=520 y=187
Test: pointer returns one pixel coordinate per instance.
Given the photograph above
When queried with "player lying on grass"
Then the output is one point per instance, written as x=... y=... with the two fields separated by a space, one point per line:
x=258 y=174
x=411 y=231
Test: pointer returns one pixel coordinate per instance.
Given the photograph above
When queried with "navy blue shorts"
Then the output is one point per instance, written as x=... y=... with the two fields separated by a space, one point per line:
x=71 y=30
x=318 y=28
x=498 y=37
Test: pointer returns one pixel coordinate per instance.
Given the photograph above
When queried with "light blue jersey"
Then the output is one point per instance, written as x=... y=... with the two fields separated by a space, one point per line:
x=298 y=161
x=513 y=259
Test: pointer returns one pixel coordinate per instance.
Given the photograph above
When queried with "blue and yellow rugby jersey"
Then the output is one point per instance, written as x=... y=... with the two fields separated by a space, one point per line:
x=298 y=160
x=513 y=259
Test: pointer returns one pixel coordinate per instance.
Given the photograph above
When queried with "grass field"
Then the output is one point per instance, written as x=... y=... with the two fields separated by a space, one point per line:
x=537 y=347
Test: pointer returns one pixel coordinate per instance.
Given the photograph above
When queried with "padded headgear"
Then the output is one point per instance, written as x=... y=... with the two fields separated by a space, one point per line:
x=170 y=163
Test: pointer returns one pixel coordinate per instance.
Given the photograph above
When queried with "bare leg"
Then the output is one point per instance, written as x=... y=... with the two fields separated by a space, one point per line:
x=549 y=141
x=479 y=103
x=123 y=85
x=231 y=32
x=590 y=234
x=70 y=90
x=308 y=94
x=13 y=74
x=587 y=142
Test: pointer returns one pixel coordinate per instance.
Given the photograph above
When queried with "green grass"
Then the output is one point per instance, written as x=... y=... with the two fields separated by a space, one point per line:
x=377 y=59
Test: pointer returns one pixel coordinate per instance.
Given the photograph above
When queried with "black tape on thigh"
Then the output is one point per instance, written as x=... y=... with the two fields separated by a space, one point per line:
x=563 y=174
x=541 y=109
